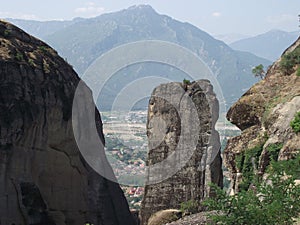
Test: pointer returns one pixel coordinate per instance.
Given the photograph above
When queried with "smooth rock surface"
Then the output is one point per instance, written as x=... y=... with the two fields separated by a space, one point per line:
x=43 y=177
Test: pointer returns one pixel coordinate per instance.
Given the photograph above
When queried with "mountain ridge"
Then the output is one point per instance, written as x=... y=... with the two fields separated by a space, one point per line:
x=82 y=42
x=267 y=45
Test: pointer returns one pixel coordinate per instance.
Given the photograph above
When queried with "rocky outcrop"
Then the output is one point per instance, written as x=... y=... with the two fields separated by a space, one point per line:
x=184 y=147
x=164 y=216
x=264 y=114
x=201 y=218
x=43 y=177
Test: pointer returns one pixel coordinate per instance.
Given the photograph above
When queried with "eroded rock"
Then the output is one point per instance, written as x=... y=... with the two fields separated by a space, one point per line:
x=264 y=114
x=184 y=147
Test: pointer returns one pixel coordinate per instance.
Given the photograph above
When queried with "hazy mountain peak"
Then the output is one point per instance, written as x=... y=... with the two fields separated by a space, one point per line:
x=141 y=7
x=84 y=41
x=144 y=9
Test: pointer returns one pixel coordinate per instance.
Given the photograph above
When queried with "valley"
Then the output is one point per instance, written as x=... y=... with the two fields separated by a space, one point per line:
x=127 y=148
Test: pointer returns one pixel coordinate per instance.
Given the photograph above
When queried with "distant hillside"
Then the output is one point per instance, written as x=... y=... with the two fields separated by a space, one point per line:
x=230 y=38
x=42 y=29
x=269 y=45
x=87 y=39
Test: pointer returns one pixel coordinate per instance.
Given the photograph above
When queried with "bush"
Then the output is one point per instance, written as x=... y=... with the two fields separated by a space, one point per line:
x=274 y=201
x=289 y=60
x=295 y=123
x=189 y=207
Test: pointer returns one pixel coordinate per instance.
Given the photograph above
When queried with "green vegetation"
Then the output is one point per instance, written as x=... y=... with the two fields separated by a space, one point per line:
x=295 y=123
x=274 y=201
x=189 y=207
x=273 y=150
x=258 y=71
x=289 y=60
x=44 y=49
x=247 y=163
x=19 y=56
x=187 y=82
x=298 y=72
x=31 y=62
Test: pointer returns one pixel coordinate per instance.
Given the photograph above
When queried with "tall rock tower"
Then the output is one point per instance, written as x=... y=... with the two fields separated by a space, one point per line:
x=184 y=147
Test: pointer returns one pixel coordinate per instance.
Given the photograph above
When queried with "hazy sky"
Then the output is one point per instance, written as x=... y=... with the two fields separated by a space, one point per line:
x=213 y=16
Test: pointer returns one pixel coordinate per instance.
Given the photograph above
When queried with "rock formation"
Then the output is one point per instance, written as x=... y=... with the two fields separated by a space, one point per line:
x=184 y=147
x=201 y=218
x=264 y=114
x=43 y=177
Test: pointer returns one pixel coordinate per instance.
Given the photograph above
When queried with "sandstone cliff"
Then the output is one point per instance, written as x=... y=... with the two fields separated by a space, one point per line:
x=43 y=177
x=184 y=147
x=264 y=114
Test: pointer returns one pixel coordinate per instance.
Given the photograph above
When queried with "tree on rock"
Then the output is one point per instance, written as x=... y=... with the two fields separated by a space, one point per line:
x=258 y=71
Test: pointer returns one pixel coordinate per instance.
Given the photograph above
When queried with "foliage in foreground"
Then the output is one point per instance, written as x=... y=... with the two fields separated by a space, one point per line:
x=273 y=201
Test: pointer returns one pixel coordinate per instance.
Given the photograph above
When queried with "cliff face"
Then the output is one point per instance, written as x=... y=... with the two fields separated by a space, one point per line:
x=43 y=177
x=264 y=114
x=180 y=128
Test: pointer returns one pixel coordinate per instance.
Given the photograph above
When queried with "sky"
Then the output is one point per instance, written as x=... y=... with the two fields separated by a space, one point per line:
x=247 y=17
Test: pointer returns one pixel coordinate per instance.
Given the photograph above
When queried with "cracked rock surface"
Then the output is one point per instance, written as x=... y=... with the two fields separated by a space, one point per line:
x=184 y=147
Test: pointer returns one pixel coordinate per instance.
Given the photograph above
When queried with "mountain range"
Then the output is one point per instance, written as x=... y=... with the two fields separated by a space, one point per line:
x=231 y=37
x=81 y=41
x=269 y=45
